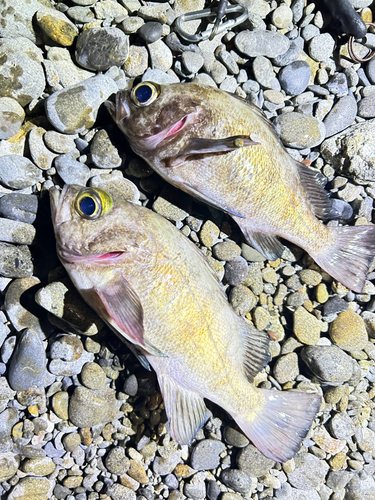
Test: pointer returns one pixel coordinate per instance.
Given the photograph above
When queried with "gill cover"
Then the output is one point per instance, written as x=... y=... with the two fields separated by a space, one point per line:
x=145 y=93
x=92 y=203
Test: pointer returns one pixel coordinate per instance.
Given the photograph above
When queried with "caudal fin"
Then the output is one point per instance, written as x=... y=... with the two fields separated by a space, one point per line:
x=280 y=427
x=349 y=258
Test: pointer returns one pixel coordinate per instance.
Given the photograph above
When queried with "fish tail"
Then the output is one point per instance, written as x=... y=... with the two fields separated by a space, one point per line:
x=279 y=428
x=348 y=259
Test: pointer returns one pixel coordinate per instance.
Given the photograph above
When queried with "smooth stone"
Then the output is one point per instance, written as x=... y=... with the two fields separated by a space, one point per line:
x=343 y=208
x=57 y=26
x=132 y=24
x=236 y=271
x=72 y=171
x=192 y=61
x=151 y=31
x=159 y=76
x=18 y=315
x=9 y=464
x=338 y=84
x=41 y=156
x=71 y=441
x=295 y=77
x=119 y=492
x=116 y=461
x=39 y=488
x=309 y=472
x=98 y=49
x=370 y=71
x=335 y=305
x=282 y=16
x=15 y=261
x=8 y=418
x=309 y=32
x=88 y=408
x=369 y=320
x=306 y=326
x=38 y=466
x=226 y=250
x=209 y=233
x=104 y=154
x=64 y=368
x=238 y=481
x=366 y=107
x=161 y=56
x=74 y=109
x=235 y=438
x=361 y=487
x=81 y=14
x=18 y=206
x=264 y=74
x=59 y=143
x=286 y=368
x=109 y=10
x=195 y=488
x=229 y=62
x=93 y=376
x=18 y=172
x=206 y=454
x=328 y=363
x=16 y=16
x=168 y=210
x=310 y=277
x=131 y=385
x=294 y=51
x=251 y=461
x=342 y=426
x=137 y=62
x=341 y=116
x=116 y=183
x=299 y=131
x=321 y=47
x=21 y=73
x=64 y=69
x=242 y=299
x=11 y=117
x=261 y=43
x=28 y=363
x=14 y=231
x=348 y=331
x=166 y=464
x=60 y=404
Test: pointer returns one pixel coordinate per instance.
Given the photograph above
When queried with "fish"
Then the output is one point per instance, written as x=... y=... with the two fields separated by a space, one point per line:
x=156 y=290
x=222 y=150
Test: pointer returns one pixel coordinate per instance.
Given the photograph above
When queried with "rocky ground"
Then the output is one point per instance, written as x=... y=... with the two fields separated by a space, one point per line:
x=79 y=418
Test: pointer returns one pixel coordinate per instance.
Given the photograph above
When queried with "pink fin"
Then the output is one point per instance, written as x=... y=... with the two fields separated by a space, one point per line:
x=119 y=305
x=282 y=424
x=349 y=258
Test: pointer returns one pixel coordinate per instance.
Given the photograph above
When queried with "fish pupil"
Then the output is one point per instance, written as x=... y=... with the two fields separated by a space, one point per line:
x=87 y=206
x=143 y=93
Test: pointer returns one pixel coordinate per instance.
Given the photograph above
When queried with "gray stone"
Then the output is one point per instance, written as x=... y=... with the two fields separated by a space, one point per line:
x=309 y=471
x=119 y=492
x=28 y=364
x=8 y=418
x=341 y=116
x=18 y=206
x=329 y=364
x=335 y=305
x=115 y=182
x=299 y=131
x=64 y=69
x=366 y=107
x=236 y=271
x=159 y=76
x=16 y=18
x=361 y=487
x=88 y=408
x=74 y=109
x=9 y=463
x=72 y=171
x=338 y=479
x=104 y=154
x=286 y=368
x=341 y=426
x=60 y=143
x=166 y=464
x=11 y=117
x=116 y=461
x=309 y=32
x=41 y=156
x=131 y=385
x=242 y=299
x=206 y=454
x=253 y=462
x=238 y=480
x=18 y=172
x=264 y=74
x=15 y=261
x=342 y=208
x=14 y=231
x=261 y=43
x=192 y=61
x=338 y=84
x=321 y=47
x=98 y=49
x=160 y=55
x=295 y=77
x=195 y=488
x=370 y=71
x=294 y=51
x=137 y=61
x=151 y=31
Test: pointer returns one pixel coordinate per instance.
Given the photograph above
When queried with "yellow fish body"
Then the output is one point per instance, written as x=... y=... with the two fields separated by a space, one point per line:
x=157 y=291
x=223 y=151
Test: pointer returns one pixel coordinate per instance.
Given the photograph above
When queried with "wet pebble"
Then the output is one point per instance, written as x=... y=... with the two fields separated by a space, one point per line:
x=295 y=77
x=300 y=131
x=72 y=171
x=93 y=376
x=11 y=117
x=329 y=363
x=18 y=172
x=282 y=16
x=341 y=116
x=74 y=109
x=348 y=331
x=104 y=154
x=151 y=31
x=98 y=49
x=206 y=454
x=238 y=481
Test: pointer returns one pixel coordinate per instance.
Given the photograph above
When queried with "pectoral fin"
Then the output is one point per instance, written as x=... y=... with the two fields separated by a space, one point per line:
x=186 y=410
x=119 y=305
x=266 y=244
x=197 y=146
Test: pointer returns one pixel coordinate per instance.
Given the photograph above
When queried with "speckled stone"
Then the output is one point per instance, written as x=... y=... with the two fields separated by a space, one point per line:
x=115 y=182
x=18 y=172
x=98 y=49
x=238 y=481
x=9 y=463
x=57 y=26
x=329 y=363
x=63 y=71
x=226 y=250
x=321 y=47
x=116 y=461
x=59 y=143
x=264 y=74
x=72 y=171
x=93 y=376
x=168 y=210
x=88 y=408
x=103 y=152
x=321 y=293
x=242 y=299
x=341 y=116
x=14 y=231
x=261 y=43
x=38 y=466
x=306 y=327
x=209 y=233
x=348 y=331
x=309 y=471
x=299 y=131
x=15 y=261
x=253 y=462
x=236 y=271
x=71 y=441
x=295 y=77
x=118 y=491
x=160 y=55
x=137 y=61
x=206 y=454
x=11 y=117
x=60 y=403
x=286 y=368
x=32 y=487
x=310 y=277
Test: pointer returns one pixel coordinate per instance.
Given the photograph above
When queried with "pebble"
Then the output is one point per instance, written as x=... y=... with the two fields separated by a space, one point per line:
x=11 y=117
x=115 y=182
x=366 y=107
x=309 y=472
x=165 y=465
x=15 y=262
x=59 y=143
x=209 y=233
x=261 y=43
x=294 y=51
x=253 y=462
x=341 y=116
x=41 y=466
x=93 y=376
x=18 y=172
x=13 y=231
x=8 y=418
x=74 y=108
x=329 y=364
x=103 y=153
x=238 y=481
x=71 y=441
x=151 y=31
x=21 y=73
x=192 y=61
x=88 y=408
x=32 y=487
x=206 y=454
x=310 y=277
x=195 y=488
x=60 y=404
x=306 y=326
x=168 y=210
x=321 y=47
x=64 y=71
x=98 y=49
x=264 y=74
x=72 y=171
x=335 y=305
x=282 y=16
x=16 y=17
x=81 y=14
x=226 y=250
x=137 y=62
x=9 y=463
x=286 y=368
x=338 y=84
x=161 y=56
x=242 y=299
x=299 y=131
x=295 y=77
x=235 y=438
x=40 y=155
x=56 y=26
x=28 y=364
x=116 y=461
x=236 y=271
x=348 y=331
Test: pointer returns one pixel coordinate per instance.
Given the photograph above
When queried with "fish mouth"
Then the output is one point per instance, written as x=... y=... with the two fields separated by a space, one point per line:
x=104 y=258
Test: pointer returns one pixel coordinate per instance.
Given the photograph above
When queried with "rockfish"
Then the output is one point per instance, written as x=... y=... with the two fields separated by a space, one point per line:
x=155 y=289
x=222 y=150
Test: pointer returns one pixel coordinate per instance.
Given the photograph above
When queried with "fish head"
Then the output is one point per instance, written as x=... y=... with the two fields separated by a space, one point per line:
x=94 y=226
x=158 y=120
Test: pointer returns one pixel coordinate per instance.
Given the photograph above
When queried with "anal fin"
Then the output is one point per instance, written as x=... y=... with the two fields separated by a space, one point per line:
x=186 y=410
x=256 y=355
x=268 y=245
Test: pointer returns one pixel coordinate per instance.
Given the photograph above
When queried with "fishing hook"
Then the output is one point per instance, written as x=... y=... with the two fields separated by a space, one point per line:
x=353 y=56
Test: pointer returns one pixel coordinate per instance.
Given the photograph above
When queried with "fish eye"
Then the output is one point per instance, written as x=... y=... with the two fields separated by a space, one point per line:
x=145 y=93
x=92 y=203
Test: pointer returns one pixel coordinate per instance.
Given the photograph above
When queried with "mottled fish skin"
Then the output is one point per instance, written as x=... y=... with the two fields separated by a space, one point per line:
x=269 y=194
x=157 y=290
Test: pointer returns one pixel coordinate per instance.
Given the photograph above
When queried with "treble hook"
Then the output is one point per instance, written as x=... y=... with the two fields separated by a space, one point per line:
x=220 y=12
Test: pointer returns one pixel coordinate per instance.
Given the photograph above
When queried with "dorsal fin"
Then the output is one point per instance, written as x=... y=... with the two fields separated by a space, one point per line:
x=317 y=195
x=256 y=354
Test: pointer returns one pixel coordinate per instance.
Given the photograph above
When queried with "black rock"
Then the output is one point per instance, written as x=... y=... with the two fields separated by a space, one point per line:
x=151 y=31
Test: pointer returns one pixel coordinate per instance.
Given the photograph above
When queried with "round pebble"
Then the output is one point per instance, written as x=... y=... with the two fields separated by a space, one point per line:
x=328 y=363
x=238 y=481
x=264 y=74
x=103 y=153
x=72 y=171
x=18 y=172
x=242 y=299
x=299 y=131
x=93 y=376
x=236 y=271
x=253 y=462
x=295 y=77
x=306 y=327
x=11 y=117
x=348 y=331
x=116 y=461
x=321 y=47
x=282 y=16
x=151 y=31
x=206 y=454
x=286 y=368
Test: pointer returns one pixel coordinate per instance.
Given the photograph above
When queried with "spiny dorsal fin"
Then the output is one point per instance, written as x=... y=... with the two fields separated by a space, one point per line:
x=256 y=355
